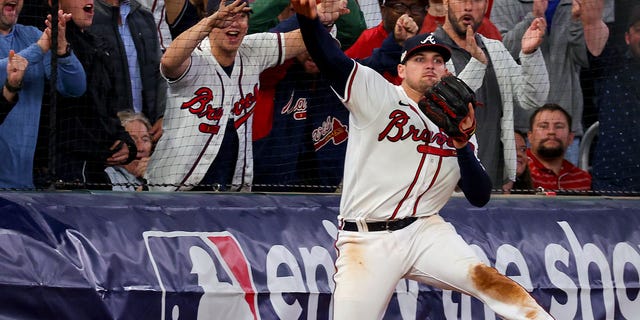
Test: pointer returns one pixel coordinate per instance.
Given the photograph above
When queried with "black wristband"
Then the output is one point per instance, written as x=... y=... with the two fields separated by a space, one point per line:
x=11 y=88
x=66 y=53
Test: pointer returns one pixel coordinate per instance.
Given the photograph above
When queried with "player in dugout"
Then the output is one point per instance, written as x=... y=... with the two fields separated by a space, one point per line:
x=389 y=223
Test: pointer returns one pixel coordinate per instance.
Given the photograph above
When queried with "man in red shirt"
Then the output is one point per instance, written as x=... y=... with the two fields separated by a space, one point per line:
x=550 y=135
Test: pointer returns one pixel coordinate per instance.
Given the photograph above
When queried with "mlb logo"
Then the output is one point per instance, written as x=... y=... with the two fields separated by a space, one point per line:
x=202 y=275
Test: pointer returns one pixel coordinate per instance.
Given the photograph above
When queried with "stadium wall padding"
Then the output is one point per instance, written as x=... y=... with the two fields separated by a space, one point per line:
x=107 y=255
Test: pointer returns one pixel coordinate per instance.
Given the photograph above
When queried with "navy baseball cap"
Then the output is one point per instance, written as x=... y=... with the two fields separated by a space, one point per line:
x=213 y=5
x=424 y=42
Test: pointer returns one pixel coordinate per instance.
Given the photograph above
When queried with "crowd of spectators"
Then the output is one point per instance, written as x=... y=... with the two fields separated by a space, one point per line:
x=167 y=95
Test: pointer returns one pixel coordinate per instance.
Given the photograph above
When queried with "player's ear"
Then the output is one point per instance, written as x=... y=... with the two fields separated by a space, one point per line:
x=401 y=70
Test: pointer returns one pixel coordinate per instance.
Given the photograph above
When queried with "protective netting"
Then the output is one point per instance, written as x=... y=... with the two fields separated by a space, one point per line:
x=290 y=133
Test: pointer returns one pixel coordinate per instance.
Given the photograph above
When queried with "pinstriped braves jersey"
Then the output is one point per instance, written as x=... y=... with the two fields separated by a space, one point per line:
x=387 y=130
x=199 y=105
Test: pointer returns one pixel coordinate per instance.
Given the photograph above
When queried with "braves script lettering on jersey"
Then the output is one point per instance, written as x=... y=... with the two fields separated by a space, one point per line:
x=382 y=125
x=199 y=106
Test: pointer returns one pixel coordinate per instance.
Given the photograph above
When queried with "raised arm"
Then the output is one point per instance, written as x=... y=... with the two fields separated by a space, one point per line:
x=514 y=20
x=72 y=80
x=293 y=43
x=596 y=32
x=177 y=58
x=327 y=11
x=331 y=61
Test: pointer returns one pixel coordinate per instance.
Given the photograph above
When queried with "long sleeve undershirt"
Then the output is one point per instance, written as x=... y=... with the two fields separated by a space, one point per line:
x=474 y=180
x=336 y=66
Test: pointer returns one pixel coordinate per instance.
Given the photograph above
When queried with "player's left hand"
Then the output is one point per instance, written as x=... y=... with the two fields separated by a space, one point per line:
x=449 y=104
x=404 y=29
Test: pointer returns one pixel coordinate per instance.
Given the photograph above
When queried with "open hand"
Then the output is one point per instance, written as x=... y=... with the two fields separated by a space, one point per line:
x=226 y=14
x=472 y=46
x=63 y=18
x=534 y=35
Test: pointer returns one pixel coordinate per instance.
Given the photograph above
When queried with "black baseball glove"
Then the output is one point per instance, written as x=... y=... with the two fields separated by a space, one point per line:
x=447 y=104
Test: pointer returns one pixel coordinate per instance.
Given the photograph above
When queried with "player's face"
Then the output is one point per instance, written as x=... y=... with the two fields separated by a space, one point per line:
x=422 y=70
x=393 y=9
x=9 y=11
x=230 y=38
x=81 y=11
x=462 y=13
x=522 y=160
x=550 y=135
x=632 y=37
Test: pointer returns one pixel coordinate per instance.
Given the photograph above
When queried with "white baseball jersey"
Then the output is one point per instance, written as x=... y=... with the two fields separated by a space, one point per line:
x=388 y=131
x=157 y=8
x=199 y=105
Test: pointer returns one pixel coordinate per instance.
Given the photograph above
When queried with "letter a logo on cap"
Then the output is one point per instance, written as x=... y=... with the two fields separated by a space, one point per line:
x=423 y=42
x=430 y=39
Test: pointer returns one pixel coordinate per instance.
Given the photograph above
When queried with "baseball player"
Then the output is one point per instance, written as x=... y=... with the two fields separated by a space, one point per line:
x=213 y=70
x=389 y=223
